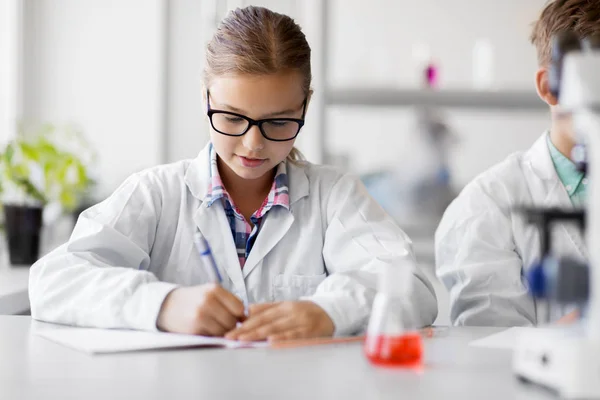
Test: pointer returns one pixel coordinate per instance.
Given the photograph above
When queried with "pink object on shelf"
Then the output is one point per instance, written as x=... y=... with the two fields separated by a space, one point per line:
x=431 y=76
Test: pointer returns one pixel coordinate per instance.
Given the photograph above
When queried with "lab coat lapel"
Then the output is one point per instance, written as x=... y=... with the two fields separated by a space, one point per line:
x=574 y=233
x=275 y=225
x=555 y=194
x=212 y=223
x=558 y=197
x=278 y=220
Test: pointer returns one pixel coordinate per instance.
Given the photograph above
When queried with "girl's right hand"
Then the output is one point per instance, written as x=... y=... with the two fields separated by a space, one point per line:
x=207 y=310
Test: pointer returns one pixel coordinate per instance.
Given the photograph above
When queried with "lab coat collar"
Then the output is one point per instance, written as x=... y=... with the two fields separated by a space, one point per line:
x=555 y=194
x=214 y=226
x=197 y=177
x=278 y=220
x=540 y=159
x=212 y=221
x=298 y=181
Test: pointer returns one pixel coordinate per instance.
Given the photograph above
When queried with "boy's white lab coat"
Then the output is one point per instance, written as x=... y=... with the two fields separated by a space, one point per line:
x=482 y=248
x=127 y=253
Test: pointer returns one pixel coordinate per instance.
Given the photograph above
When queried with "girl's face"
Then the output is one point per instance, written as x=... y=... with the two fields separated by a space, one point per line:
x=252 y=156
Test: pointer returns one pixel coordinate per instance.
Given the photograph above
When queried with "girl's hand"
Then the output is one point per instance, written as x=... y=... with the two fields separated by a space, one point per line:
x=206 y=310
x=283 y=321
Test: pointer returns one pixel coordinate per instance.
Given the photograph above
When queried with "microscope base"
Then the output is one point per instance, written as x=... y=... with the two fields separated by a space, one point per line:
x=562 y=361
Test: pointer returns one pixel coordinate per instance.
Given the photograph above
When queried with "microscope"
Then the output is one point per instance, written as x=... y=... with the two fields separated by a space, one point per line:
x=563 y=359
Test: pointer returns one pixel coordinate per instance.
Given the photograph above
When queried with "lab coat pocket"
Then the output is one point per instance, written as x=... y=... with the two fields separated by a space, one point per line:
x=292 y=287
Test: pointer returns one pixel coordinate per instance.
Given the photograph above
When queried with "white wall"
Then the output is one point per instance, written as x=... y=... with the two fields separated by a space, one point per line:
x=372 y=45
x=100 y=64
x=187 y=130
x=10 y=63
x=372 y=42
x=4 y=63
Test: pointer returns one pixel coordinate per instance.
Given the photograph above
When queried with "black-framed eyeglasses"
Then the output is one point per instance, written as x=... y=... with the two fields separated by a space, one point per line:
x=234 y=124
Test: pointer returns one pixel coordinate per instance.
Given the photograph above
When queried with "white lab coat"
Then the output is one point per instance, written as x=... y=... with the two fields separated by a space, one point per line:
x=482 y=248
x=127 y=253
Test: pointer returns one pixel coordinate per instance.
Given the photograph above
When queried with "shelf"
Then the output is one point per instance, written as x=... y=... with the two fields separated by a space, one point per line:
x=500 y=100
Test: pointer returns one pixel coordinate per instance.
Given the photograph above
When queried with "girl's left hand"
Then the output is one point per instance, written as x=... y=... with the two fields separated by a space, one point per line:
x=283 y=321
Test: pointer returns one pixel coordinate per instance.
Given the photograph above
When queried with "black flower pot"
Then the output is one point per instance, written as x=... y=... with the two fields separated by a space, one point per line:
x=23 y=226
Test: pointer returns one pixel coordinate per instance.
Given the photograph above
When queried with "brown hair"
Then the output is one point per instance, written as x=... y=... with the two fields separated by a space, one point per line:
x=579 y=16
x=257 y=41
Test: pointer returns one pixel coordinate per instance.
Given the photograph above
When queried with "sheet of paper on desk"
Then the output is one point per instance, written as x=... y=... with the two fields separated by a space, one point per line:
x=506 y=339
x=98 y=341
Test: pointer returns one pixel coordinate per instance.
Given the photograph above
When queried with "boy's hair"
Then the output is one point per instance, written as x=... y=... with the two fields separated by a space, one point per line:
x=257 y=41
x=579 y=16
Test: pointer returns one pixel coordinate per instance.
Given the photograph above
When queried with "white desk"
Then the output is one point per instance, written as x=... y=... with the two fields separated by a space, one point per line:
x=33 y=368
x=14 y=280
x=14 y=297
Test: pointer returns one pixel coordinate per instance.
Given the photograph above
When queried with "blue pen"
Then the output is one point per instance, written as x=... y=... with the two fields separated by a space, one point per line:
x=204 y=250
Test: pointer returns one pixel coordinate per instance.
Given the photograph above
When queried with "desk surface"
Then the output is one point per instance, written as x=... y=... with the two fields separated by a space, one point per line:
x=14 y=281
x=32 y=367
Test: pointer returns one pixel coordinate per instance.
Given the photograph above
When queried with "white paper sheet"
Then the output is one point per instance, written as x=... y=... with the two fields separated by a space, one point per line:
x=113 y=340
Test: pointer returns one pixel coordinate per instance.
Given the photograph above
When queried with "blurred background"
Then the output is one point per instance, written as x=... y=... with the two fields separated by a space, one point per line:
x=415 y=97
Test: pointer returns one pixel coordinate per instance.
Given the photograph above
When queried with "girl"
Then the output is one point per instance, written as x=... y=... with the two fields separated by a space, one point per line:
x=301 y=243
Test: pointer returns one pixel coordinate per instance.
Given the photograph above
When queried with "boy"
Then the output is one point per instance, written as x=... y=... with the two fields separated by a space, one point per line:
x=482 y=247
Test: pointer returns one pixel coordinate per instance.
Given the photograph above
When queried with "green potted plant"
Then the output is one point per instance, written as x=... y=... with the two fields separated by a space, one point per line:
x=35 y=171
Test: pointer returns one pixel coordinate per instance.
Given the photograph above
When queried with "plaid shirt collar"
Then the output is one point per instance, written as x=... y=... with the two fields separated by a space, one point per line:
x=278 y=195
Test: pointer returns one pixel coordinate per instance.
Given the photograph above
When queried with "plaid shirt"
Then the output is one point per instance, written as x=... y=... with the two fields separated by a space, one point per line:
x=244 y=235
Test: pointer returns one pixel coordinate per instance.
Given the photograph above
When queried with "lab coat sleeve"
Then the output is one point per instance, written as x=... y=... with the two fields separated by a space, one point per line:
x=99 y=278
x=477 y=262
x=358 y=236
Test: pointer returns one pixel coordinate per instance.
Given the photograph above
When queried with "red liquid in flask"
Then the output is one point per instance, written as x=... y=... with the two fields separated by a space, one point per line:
x=395 y=351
